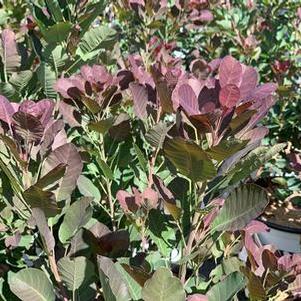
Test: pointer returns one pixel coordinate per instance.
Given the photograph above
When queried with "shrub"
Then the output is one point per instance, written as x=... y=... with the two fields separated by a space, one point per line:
x=129 y=178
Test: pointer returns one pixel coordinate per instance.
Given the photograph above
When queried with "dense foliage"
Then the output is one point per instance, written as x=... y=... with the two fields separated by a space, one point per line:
x=134 y=138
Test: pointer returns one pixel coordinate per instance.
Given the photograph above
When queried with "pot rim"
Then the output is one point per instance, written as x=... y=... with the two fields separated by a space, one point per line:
x=281 y=227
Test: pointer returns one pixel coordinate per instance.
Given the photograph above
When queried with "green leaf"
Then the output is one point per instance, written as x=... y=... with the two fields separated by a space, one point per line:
x=101 y=126
x=91 y=104
x=228 y=265
x=133 y=286
x=105 y=169
x=12 y=176
x=226 y=148
x=253 y=161
x=43 y=199
x=244 y=204
x=47 y=78
x=254 y=284
x=91 y=13
x=113 y=286
x=55 y=10
x=227 y=289
x=142 y=160
x=20 y=79
x=54 y=55
x=10 y=144
x=8 y=90
x=57 y=33
x=32 y=284
x=77 y=274
x=241 y=120
x=95 y=39
x=160 y=232
x=87 y=188
x=77 y=215
x=52 y=176
x=189 y=159
x=157 y=134
x=163 y=286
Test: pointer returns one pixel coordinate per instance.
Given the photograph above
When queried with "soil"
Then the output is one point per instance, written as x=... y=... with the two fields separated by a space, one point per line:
x=285 y=214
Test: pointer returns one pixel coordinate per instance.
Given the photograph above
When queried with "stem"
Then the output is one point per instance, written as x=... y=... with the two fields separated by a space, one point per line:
x=108 y=185
x=54 y=269
x=111 y=203
x=181 y=233
x=55 y=272
x=188 y=247
x=194 y=227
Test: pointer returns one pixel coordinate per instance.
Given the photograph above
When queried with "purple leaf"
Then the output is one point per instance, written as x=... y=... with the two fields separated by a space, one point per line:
x=127 y=201
x=87 y=73
x=168 y=198
x=125 y=77
x=60 y=139
x=295 y=161
x=262 y=108
x=140 y=99
x=6 y=110
x=205 y=15
x=188 y=100
x=200 y=69
x=28 y=127
x=197 y=297
x=264 y=90
x=114 y=244
x=139 y=2
x=66 y=154
x=226 y=118
x=150 y=198
x=214 y=64
x=69 y=114
x=195 y=84
x=139 y=72
x=62 y=85
x=42 y=109
x=209 y=99
x=230 y=71
x=49 y=136
x=41 y=222
x=164 y=92
x=248 y=82
x=101 y=75
x=252 y=228
x=229 y=96
x=256 y=134
x=9 y=52
x=13 y=241
x=289 y=261
x=261 y=92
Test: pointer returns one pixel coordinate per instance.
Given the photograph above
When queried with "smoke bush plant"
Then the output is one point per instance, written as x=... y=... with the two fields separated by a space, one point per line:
x=164 y=150
x=134 y=182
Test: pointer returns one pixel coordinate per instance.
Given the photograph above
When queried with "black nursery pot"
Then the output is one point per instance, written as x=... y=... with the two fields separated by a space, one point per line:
x=284 y=238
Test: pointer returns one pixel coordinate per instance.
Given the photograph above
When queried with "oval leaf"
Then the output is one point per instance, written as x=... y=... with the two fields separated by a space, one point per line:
x=32 y=285
x=243 y=205
x=76 y=273
x=189 y=159
x=66 y=154
x=163 y=286
x=77 y=215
